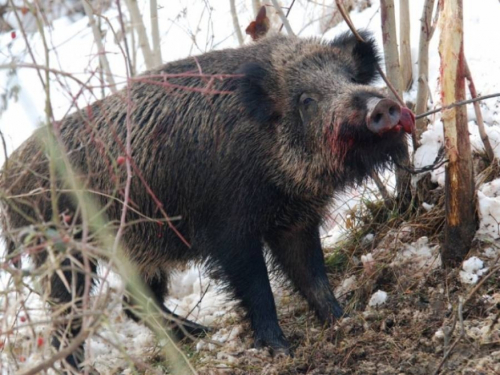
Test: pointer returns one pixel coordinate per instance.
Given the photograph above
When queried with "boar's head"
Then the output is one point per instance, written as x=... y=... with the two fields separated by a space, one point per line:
x=331 y=127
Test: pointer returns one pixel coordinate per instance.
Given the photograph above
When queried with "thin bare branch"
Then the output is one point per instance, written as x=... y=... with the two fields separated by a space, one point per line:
x=479 y=115
x=287 y=13
x=130 y=65
x=283 y=17
x=100 y=46
x=74 y=345
x=457 y=104
x=382 y=189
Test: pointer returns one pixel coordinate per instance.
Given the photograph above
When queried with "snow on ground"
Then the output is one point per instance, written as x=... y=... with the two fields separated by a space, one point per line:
x=189 y=28
x=418 y=256
x=378 y=298
x=473 y=268
x=489 y=209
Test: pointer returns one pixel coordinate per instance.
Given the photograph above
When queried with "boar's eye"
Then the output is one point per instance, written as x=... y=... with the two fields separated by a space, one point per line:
x=307 y=101
x=308 y=106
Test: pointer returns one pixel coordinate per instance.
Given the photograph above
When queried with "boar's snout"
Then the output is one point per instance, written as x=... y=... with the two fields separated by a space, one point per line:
x=383 y=115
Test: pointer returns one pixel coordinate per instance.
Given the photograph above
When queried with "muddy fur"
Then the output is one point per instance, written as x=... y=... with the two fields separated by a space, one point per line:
x=233 y=158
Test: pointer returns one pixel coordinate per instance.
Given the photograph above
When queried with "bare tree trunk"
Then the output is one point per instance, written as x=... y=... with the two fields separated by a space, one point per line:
x=100 y=46
x=404 y=44
x=393 y=71
x=155 y=31
x=459 y=186
x=390 y=43
x=138 y=24
x=426 y=32
x=236 y=23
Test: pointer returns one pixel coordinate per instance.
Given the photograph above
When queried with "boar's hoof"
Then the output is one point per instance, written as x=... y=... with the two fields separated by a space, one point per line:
x=337 y=311
x=277 y=346
x=185 y=328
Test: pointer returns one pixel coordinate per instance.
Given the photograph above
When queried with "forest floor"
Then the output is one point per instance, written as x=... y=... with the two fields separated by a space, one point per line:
x=428 y=318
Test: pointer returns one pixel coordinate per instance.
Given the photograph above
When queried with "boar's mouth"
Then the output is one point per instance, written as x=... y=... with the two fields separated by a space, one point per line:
x=372 y=141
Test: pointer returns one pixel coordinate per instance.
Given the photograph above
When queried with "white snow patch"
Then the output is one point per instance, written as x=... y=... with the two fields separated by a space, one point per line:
x=439 y=334
x=345 y=287
x=489 y=209
x=378 y=298
x=195 y=295
x=427 y=206
x=431 y=141
x=472 y=265
x=491 y=253
x=418 y=255
x=368 y=239
x=472 y=268
x=368 y=262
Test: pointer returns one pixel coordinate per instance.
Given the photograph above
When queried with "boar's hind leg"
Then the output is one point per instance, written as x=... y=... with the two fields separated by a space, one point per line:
x=298 y=252
x=180 y=326
x=243 y=265
x=59 y=296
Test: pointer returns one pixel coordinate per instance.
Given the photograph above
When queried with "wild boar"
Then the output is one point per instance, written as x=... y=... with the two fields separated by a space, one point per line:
x=247 y=161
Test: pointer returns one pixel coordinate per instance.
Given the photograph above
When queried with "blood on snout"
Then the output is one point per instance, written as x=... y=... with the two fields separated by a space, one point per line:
x=407 y=120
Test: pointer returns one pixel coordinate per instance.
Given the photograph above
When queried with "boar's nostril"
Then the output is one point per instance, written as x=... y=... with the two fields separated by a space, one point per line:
x=383 y=115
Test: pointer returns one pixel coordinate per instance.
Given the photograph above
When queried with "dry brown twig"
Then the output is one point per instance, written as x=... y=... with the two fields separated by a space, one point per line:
x=383 y=190
x=459 y=316
x=456 y=104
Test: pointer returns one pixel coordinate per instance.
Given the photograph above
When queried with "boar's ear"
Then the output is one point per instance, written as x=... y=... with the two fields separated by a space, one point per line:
x=363 y=56
x=254 y=92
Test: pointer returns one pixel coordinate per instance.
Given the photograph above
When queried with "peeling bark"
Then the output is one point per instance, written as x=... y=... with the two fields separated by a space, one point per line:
x=460 y=198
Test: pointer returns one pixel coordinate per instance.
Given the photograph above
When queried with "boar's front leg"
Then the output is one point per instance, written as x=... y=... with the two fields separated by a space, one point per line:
x=244 y=267
x=298 y=252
